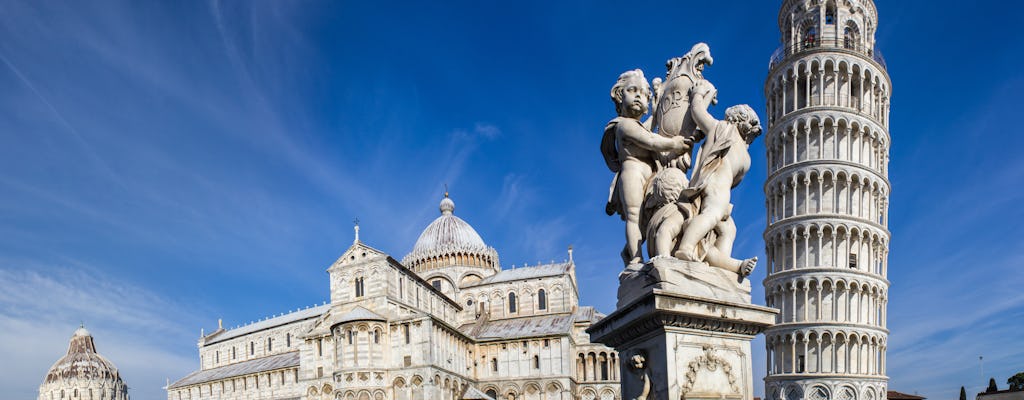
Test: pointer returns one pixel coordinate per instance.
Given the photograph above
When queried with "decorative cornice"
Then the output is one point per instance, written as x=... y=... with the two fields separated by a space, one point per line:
x=657 y=311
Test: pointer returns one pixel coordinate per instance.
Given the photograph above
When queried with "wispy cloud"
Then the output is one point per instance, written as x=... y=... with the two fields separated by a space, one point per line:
x=41 y=306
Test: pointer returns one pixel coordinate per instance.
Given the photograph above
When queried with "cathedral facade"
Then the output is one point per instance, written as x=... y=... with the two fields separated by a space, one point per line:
x=446 y=322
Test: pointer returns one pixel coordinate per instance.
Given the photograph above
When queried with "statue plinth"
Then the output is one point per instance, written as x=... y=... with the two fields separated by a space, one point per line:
x=692 y=345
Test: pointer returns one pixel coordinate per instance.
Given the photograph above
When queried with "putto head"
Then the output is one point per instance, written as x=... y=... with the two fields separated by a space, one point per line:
x=631 y=94
x=667 y=185
x=746 y=121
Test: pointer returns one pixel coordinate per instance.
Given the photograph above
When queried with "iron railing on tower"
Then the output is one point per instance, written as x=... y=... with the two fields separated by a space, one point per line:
x=825 y=41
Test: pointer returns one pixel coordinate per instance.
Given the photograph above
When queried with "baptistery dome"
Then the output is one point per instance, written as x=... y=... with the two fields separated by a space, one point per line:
x=83 y=374
x=450 y=242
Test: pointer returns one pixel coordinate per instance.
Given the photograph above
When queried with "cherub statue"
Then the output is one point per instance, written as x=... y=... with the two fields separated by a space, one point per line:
x=721 y=163
x=630 y=150
x=664 y=216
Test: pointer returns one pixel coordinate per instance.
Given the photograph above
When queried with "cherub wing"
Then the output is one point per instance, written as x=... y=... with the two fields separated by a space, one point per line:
x=608 y=148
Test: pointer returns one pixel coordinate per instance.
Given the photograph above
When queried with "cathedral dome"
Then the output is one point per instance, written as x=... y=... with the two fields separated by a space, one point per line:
x=450 y=241
x=82 y=368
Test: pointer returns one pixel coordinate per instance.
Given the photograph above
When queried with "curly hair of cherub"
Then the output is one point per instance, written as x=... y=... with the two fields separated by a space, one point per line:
x=742 y=113
x=620 y=86
x=667 y=185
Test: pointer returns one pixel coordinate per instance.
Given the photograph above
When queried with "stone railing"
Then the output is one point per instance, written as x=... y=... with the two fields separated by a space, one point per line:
x=817 y=42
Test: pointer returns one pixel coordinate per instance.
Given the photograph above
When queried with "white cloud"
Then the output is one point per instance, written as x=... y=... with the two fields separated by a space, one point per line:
x=134 y=328
x=488 y=131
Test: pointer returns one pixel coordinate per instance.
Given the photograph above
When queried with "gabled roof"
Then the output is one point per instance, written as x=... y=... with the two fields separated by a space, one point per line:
x=358 y=314
x=587 y=314
x=894 y=395
x=473 y=393
x=264 y=364
x=515 y=274
x=299 y=315
x=528 y=327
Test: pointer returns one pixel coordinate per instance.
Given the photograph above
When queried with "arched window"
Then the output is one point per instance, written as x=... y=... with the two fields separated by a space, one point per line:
x=542 y=300
x=376 y=337
x=288 y=340
x=511 y=302
x=536 y=362
x=252 y=348
x=270 y=344
x=830 y=13
x=494 y=364
x=360 y=289
x=492 y=393
x=233 y=355
x=851 y=36
x=811 y=36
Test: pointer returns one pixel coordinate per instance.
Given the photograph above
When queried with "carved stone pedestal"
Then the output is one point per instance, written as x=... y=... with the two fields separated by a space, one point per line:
x=675 y=346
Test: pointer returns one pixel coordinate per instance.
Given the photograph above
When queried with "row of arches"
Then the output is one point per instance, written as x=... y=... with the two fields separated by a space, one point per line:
x=829 y=81
x=597 y=366
x=520 y=300
x=827 y=190
x=815 y=23
x=360 y=344
x=415 y=388
x=90 y=393
x=826 y=351
x=271 y=379
x=831 y=138
x=826 y=299
x=806 y=245
x=529 y=390
x=823 y=391
x=483 y=259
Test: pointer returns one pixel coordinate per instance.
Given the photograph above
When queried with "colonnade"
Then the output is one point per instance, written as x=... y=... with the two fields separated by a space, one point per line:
x=823 y=136
x=822 y=351
x=819 y=191
x=826 y=245
x=599 y=366
x=829 y=81
x=829 y=299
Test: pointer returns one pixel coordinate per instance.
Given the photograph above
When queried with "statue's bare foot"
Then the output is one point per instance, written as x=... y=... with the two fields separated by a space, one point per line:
x=747 y=267
x=687 y=255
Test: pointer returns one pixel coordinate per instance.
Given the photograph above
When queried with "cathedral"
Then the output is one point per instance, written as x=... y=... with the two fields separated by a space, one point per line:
x=445 y=322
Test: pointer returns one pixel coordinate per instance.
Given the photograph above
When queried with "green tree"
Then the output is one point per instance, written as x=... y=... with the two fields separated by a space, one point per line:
x=992 y=386
x=963 y=393
x=1016 y=382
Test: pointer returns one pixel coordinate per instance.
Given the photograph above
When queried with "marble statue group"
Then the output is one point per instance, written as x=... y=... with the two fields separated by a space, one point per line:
x=675 y=203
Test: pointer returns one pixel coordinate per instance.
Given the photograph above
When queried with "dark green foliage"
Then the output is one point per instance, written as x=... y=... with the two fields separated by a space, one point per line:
x=1016 y=382
x=963 y=393
x=992 y=386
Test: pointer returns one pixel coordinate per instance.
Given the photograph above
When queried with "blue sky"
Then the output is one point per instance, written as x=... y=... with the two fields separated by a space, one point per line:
x=166 y=164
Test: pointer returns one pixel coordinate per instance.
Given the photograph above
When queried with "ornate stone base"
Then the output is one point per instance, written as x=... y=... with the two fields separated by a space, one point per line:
x=675 y=346
x=677 y=276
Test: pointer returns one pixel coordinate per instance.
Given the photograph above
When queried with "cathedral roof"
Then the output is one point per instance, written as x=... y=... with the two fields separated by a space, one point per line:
x=82 y=361
x=515 y=274
x=473 y=393
x=358 y=314
x=450 y=241
x=520 y=328
x=262 y=364
x=448 y=232
x=299 y=315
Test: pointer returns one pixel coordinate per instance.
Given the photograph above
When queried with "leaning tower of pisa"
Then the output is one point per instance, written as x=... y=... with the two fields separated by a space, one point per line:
x=827 y=198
